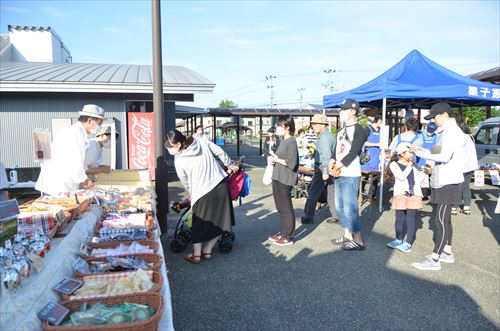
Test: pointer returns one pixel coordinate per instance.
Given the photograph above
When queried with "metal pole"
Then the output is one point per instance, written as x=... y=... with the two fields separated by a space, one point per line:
x=238 y=135
x=381 y=161
x=161 y=182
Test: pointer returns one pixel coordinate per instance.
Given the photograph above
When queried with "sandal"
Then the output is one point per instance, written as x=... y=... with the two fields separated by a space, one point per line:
x=340 y=241
x=206 y=256
x=454 y=211
x=353 y=246
x=466 y=211
x=192 y=258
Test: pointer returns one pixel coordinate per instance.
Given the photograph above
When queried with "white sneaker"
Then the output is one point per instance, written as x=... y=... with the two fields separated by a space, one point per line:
x=427 y=263
x=446 y=258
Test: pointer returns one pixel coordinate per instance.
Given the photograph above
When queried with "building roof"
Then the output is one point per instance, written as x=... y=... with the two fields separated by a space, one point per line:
x=97 y=78
x=491 y=75
x=267 y=111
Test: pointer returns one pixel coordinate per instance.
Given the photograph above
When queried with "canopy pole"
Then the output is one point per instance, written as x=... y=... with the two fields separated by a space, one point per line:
x=381 y=161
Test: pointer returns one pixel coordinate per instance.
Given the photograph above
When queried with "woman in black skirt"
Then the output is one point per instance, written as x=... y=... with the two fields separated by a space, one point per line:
x=205 y=180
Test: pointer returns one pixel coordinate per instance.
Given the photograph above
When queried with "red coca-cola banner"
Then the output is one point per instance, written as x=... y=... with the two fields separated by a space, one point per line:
x=141 y=142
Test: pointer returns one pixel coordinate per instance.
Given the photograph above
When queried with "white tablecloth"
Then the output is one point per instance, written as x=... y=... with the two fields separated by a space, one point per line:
x=18 y=310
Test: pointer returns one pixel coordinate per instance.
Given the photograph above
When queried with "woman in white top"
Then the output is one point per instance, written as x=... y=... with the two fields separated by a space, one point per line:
x=407 y=196
x=470 y=164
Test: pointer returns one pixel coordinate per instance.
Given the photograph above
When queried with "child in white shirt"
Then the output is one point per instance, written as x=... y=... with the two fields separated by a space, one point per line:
x=407 y=196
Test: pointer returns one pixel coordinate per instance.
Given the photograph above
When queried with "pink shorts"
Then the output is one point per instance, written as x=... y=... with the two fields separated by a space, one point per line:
x=402 y=202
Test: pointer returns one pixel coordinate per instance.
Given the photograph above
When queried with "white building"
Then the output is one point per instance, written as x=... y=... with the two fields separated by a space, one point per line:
x=33 y=44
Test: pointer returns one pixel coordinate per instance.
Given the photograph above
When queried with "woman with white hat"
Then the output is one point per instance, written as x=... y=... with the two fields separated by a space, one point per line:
x=64 y=172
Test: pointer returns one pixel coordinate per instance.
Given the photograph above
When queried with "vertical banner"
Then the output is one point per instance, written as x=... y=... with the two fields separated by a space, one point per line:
x=141 y=142
x=478 y=178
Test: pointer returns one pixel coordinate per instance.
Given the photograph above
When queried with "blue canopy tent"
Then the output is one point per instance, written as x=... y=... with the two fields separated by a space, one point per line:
x=416 y=81
x=419 y=81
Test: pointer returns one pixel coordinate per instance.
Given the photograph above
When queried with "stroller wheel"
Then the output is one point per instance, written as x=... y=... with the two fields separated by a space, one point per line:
x=185 y=234
x=226 y=242
x=178 y=244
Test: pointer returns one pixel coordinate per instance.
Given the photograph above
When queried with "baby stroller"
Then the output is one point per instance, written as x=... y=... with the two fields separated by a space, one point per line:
x=182 y=234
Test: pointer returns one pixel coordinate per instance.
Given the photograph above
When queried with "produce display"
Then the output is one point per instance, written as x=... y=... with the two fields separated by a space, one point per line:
x=18 y=260
x=122 y=249
x=101 y=314
x=115 y=284
x=111 y=264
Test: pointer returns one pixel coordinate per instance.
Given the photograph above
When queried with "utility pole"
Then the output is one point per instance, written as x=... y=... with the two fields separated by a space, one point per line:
x=328 y=85
x=270 y=86
x=300 y=90
x=161 y=182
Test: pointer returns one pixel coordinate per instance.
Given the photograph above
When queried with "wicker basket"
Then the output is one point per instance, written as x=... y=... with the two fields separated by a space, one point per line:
x=157 y=285
x=155 y=259
x=150 y=235
x=152 y=299
x=112 y=244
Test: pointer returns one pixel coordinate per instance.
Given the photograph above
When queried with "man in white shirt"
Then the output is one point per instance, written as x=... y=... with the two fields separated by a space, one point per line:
x=94 y=152
x=446 y=183
x=64 y=172
x=346 y=167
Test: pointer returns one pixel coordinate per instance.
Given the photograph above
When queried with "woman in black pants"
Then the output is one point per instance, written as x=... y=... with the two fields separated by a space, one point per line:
x=286 y=164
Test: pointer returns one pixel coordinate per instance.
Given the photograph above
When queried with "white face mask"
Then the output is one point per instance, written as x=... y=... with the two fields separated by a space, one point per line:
x=343 y=116
x=107 y=144
x=172 y=151
x=96 y=129
x=199 y=132
x=280 y=131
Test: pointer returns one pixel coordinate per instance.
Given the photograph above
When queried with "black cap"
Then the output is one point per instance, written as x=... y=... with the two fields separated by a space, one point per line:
x=438 y=108
x=350 y=104
x=271 y=130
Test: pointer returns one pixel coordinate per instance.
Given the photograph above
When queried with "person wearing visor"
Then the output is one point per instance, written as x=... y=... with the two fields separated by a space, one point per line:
x=64 y=172
x=446 y=182
x=94 y=152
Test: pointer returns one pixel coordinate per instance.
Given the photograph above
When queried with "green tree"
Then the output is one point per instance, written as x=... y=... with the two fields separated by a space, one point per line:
x=227 y=104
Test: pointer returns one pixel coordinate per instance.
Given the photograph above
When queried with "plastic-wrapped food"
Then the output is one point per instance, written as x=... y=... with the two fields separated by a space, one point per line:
x=100 y=314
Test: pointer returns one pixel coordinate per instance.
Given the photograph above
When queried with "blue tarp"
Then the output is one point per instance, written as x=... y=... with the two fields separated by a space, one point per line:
x=417 y=80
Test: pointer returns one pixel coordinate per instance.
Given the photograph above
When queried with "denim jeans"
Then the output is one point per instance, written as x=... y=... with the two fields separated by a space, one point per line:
x=316 y=188
x=346 y=202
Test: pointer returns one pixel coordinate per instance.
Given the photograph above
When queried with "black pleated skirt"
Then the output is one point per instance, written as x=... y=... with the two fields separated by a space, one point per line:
x=212 y=214
x=447 y=195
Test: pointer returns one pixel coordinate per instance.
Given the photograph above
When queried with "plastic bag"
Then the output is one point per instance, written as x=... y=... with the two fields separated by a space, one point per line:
x=268 y=174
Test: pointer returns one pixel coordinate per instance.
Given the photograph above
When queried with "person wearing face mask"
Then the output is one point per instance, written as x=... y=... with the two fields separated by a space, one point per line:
x=272 y=143
x=286 y=165
x=65 y=171
x=321 y=178
x=199 y=134
x=345 y=166
x=446 y=182
x=206 y=182
x=94 y=152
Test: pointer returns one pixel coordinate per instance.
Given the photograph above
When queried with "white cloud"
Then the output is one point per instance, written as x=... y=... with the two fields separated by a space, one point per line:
x=116 y=30
x=56 y=13
x=16 y=10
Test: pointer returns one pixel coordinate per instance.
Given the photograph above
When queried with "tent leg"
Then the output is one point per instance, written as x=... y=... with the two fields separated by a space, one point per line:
x=382 y=161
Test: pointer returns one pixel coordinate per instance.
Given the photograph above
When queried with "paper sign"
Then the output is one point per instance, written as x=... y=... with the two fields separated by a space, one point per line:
x=85 y=250
x=53 y=313
x=384 y=137
x=68 y=285
x=495 y=180
x=36 y=261
x=478 y=178
x=8 y=209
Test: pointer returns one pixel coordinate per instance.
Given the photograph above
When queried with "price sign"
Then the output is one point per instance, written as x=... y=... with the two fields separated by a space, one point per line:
x=53 y=313
x=68 y=285
x=495 y=179
x=478 y=178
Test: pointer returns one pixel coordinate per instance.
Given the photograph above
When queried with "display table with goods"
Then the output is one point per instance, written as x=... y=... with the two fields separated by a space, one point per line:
x=107 y=272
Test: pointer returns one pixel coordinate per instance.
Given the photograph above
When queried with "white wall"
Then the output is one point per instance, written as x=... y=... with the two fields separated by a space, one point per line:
x=31 y=46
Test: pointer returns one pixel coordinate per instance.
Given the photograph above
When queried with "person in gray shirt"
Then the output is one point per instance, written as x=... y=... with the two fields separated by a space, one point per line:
x=286 y=164
x=321 y=178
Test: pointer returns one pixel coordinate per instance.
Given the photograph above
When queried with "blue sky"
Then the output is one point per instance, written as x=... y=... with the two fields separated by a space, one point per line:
x=236 y=44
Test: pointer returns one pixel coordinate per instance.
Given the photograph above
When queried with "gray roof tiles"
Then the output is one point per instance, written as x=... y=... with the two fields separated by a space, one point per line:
x=122 y=76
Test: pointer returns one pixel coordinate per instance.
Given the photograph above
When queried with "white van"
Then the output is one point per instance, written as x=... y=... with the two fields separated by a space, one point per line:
x=488 y=141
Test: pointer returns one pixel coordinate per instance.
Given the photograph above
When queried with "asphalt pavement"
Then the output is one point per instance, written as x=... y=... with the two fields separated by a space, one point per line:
x=314 y=285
